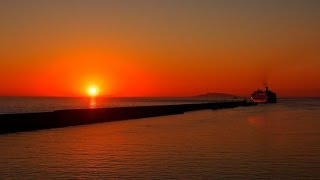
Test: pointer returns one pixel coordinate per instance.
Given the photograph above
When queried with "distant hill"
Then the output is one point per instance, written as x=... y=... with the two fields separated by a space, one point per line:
x=215 y=95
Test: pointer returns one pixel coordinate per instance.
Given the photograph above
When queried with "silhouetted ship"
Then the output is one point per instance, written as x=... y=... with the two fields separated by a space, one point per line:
x=266 y=96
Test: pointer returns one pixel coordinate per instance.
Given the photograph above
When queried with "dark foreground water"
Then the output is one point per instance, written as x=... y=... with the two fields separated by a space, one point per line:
x=278 y=141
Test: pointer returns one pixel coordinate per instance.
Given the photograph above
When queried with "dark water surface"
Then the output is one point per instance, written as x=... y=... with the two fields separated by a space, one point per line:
x=278 y=141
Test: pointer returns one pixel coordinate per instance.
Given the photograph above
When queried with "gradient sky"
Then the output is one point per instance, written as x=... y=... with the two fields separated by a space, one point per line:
x=159 y=47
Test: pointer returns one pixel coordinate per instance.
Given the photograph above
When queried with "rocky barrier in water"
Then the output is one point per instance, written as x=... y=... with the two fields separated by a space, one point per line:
x=10 y=123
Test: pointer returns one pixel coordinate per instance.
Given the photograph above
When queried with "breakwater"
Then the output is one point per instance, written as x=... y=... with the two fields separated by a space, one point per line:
x=10 y=123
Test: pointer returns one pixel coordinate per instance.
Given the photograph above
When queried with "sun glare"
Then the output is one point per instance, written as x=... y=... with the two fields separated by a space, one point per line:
x=93 y=91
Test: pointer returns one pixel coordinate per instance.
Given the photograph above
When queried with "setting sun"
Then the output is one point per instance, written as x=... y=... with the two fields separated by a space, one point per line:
x=93 y=91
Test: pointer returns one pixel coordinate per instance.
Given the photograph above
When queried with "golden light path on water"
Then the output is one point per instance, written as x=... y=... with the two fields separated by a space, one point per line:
x=93 y=103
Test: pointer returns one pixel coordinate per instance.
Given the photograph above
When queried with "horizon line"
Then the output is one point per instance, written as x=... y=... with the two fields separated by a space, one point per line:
x=191 y=96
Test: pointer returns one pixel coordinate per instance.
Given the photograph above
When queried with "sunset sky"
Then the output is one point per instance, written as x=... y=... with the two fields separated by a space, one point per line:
x=159 y=47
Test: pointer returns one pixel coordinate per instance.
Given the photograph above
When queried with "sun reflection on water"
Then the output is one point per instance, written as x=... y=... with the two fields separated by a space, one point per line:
x=92 y=103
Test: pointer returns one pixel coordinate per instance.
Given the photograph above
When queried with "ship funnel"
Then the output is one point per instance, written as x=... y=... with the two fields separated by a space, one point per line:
x=267 y=89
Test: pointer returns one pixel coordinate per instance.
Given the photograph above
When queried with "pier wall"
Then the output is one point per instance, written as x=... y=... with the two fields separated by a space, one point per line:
x=10 y=123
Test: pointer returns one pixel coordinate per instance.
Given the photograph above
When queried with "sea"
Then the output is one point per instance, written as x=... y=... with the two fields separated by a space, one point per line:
x=267 y=141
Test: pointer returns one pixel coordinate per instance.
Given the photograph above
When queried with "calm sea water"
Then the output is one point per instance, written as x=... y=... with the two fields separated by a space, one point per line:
x=276 y=141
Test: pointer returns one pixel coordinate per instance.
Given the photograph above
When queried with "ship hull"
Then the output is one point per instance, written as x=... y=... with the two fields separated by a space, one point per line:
x=258 y=100
x=263 y=101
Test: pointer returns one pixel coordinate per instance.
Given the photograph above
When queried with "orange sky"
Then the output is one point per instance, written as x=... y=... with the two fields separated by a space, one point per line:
x=159 y=48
